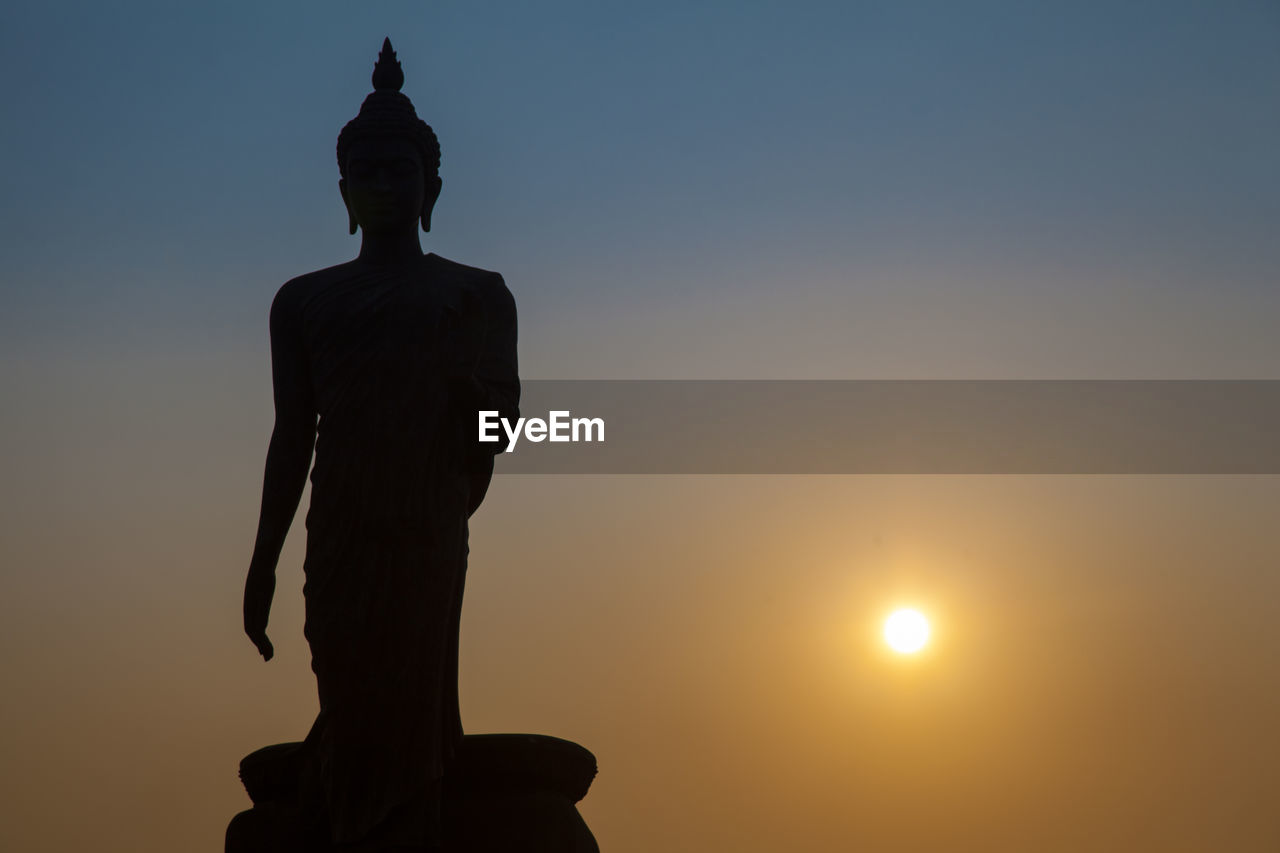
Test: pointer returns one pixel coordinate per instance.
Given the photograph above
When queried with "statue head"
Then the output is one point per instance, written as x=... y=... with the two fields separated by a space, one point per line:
x=389 y=159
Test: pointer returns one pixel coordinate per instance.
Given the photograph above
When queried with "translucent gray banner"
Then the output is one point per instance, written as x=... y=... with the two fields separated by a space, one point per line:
x=896 y=427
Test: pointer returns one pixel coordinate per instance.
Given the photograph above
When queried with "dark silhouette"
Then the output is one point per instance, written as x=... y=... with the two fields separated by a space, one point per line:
x=379 y=365
x=503 y=794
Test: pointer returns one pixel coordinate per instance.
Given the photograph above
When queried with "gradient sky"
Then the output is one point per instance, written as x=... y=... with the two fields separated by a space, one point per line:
x=672 y=190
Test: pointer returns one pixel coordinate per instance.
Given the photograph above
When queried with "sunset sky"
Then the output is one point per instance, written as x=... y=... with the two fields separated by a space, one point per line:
x=880 y=190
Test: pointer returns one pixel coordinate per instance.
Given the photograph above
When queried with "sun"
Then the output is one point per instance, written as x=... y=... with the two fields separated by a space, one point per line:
x=906 y=631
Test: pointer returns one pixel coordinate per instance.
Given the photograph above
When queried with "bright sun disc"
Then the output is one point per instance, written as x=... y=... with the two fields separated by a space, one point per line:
x=906 y=631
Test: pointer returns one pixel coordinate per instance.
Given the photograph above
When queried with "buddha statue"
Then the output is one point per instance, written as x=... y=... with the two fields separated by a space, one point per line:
x=379 y=366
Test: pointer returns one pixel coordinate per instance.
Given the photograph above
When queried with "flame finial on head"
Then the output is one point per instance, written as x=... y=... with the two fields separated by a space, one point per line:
x=387 y=111
x=387 y=73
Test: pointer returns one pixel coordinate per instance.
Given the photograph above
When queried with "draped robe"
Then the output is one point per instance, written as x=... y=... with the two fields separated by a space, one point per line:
x=398 y=360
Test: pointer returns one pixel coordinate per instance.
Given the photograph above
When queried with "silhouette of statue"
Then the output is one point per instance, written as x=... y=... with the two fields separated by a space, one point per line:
x=379 y=365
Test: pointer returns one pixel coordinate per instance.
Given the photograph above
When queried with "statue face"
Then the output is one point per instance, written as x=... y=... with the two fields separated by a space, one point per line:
x=385 y=188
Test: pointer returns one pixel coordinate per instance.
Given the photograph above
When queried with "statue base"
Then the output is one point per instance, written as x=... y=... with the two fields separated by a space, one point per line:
x=504 y=793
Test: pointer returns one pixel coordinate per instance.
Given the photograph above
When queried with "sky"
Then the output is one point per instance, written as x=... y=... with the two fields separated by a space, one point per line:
x=929 y=190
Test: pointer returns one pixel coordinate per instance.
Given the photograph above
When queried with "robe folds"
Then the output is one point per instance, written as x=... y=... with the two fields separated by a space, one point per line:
x=398 y=360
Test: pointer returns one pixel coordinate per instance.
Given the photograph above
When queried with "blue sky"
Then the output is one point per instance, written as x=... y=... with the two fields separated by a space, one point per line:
x=770 y=175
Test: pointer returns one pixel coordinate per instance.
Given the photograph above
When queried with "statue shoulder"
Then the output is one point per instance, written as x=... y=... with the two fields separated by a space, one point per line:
x=487 y=284
x=291 y=296
x=462 y=273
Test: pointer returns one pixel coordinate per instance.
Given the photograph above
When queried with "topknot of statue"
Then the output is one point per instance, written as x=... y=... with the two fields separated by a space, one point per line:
x=386 y=111
x=387 y=73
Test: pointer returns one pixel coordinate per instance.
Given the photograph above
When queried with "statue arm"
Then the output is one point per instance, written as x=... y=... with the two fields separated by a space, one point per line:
x=497 y=374
x=288 y=463
x=494 y=383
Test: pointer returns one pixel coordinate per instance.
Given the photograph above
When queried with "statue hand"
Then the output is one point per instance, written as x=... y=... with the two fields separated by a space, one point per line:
x=264 y=644
x=258 y=591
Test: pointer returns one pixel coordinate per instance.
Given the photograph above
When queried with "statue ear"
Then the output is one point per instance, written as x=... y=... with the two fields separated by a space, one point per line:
x=429 y=196
x=352 y=225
